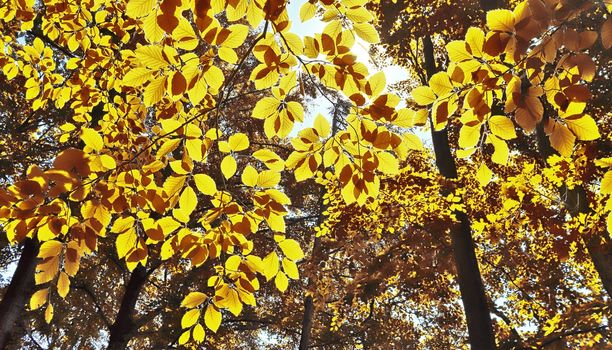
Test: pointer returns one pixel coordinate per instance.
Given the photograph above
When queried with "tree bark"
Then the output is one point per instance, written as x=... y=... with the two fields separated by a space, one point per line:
x=473 y=295
x=306 y=323
x=14 y=299
x=124 y=325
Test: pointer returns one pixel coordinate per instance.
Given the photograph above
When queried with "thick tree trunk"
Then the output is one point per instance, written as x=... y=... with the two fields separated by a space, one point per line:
x=122 y=329
x=17 y=292
x=473 y=295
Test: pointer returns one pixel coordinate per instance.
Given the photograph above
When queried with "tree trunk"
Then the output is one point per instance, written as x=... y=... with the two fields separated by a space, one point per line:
x=123 y=327
x=18 y=290
x=306 y=323
x=473 y=295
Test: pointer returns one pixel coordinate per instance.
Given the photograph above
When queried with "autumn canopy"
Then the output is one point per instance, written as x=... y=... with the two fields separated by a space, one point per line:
x=322 y=174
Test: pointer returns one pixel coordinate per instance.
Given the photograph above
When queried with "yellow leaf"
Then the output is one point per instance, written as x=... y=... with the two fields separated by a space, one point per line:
x=281 y=281
x=190 y=318
x=291 y=249
x=154 y=92
x=212 y=318
x=270 y=265
x=188 y=199
x=606 y=183
x=38 y=299
x=125 y=242
x=49 y=249
x=135 y=77
x=413 y=142
x=193 y=299
x=440 y=84
x=423 y=95
x=228 y=166
x=198 y=333
x=108 y=162
x=484 y=174
x=321 y=125
x=469 y=136
x=307 y=11
x=49 y=313
x=270 y=159
x=139 y=8
x=367 y=32
x=290 y=269
x=501 y=152
x=457 y=51
x=238 y=142
x=502 y=127
x=63 y=284
x=151 y=56
x=184 y=338
x=388 y=163
x=268 y=178
x=249 y=176
x=475 y=39
x=500 y=20
x=92 y=139
x=584 y=128
x=205 y=184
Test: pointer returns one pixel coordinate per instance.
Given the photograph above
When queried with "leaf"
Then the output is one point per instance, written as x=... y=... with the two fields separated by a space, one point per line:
x=125 y=242
x=307 y=11
x=154 y=92
x=63 y=284
x=184 y=338
x=290 y=269
x=440 y=84
x=193 y=299
x=228 y=166
x=501 y=20
x=321 y=125
x=198 y=333
x=270 y=265
x=413 y=142
x=205 y=184
x=135 y=77
x=238 y=142
x=291 y=249
x=92 y=139
x=502 y=127
x=469 y=136
x=281 y=281
x=190 y=318
x=270 y=159
x=49 y=249
x=268 y=179
x=606 y=183
x=475 y=40
x=188 y=200
x=367 y=32
x=501 y=152
x=584 y=128
x=38 y=299
x=457 y=51
x=484 y=174
x=49 y=313
x=139 y=8
x=151 y=56
x=562 y=140
x=606 y=33
x=423 y=95
x=212 y=318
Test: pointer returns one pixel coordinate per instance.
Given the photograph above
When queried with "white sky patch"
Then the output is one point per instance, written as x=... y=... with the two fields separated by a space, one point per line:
x=320 y=105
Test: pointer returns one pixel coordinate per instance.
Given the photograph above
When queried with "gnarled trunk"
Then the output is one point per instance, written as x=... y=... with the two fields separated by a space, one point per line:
x=17 y=292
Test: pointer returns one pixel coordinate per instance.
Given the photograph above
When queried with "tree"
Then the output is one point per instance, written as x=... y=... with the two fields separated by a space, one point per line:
x=173 y=155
